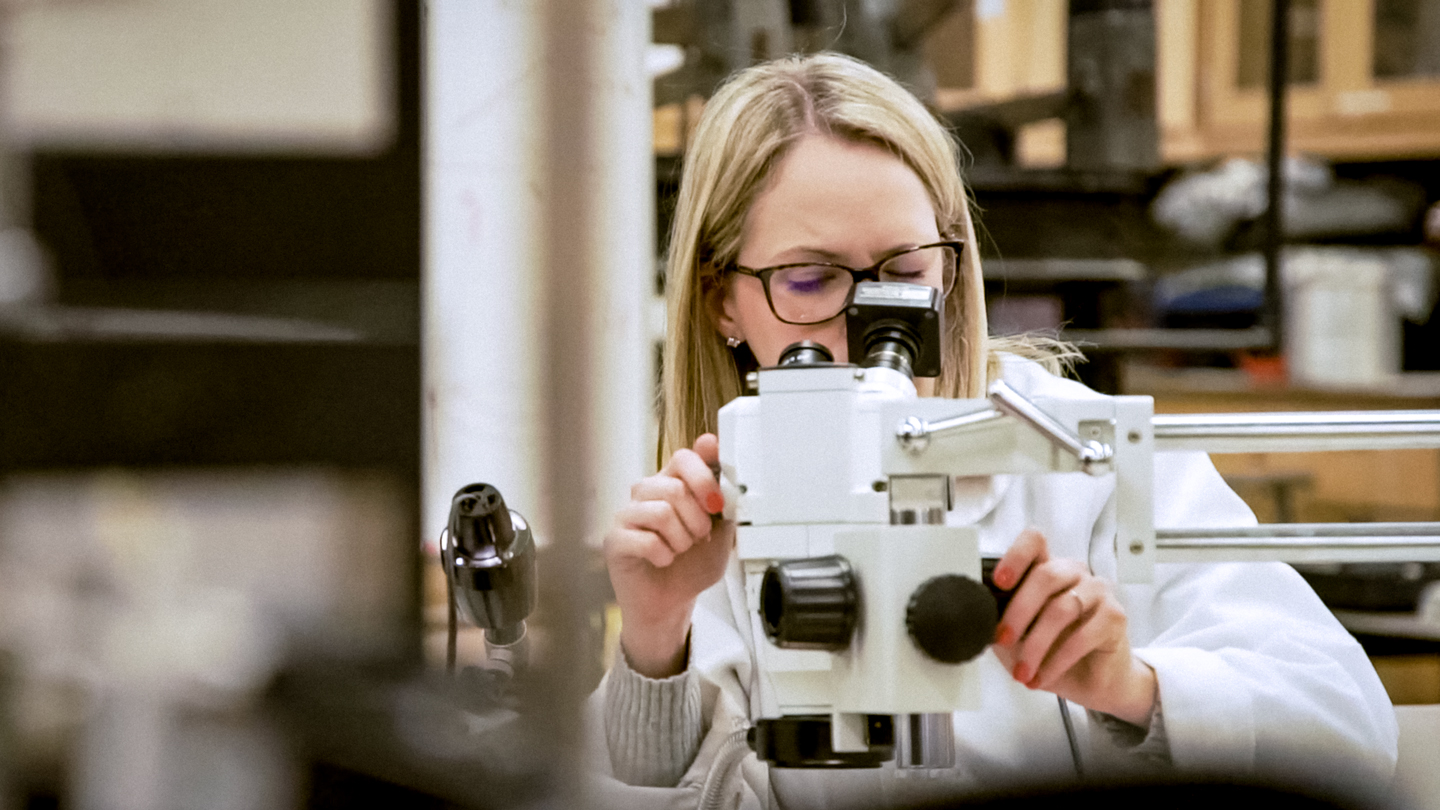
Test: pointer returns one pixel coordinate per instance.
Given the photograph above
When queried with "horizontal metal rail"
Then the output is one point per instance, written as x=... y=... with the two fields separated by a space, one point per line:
x=1302 y=543
x=1298 y=432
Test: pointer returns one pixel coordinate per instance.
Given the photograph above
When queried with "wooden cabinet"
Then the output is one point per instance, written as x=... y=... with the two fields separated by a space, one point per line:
x=1344 y=103
x=1365 y=85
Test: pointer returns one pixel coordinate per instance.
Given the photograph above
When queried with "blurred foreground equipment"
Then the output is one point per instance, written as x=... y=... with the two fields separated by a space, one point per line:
x=237 y=639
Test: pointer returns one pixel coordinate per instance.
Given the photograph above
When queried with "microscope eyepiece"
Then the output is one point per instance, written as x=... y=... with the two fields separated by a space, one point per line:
x=892 y=344
x=806 y=353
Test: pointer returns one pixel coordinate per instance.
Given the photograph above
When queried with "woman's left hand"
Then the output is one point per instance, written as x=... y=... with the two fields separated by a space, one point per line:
x=1065 y=632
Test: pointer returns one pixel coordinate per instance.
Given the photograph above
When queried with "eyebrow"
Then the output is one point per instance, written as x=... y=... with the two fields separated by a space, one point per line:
x=832 y=256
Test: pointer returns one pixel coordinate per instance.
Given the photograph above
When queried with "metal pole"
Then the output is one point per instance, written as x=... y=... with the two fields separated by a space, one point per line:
x=595 y=115
x=1274 y=313
x=1302 y=543
x=1298 y=432
x=569 y=271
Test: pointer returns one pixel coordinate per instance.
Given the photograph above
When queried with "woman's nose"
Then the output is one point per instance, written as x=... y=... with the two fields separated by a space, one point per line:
x=839 y=345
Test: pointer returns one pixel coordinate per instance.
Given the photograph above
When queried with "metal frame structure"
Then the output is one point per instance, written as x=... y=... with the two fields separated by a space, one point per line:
x=1138 y=435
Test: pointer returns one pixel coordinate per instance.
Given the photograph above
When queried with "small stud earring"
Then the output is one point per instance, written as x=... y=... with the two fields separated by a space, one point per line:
x=733 y=342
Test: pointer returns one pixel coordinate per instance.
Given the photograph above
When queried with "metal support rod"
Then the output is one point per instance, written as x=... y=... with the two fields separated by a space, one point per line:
x=924 y=741
x=570 y=273
x=1274 y=312
x=1304 y=431
x=1319 y=530
x=1298 y=432
x=915 y=433
x=1094 y=456
x=984 y=417
x=1302 y=542
x=594 y=101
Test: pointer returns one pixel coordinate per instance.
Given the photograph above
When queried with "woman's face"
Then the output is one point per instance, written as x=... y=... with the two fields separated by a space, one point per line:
x=828 y=200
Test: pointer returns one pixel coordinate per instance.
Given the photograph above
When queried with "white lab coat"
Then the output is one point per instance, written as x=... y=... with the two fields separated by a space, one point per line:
x=1256 y=677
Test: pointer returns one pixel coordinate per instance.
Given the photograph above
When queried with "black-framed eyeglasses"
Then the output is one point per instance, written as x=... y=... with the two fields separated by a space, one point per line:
x=807 y=293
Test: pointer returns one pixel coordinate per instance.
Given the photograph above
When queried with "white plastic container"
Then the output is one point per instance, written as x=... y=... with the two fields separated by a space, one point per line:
x=1340 y=327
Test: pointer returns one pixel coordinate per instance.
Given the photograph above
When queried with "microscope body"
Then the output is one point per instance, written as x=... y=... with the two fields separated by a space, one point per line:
x=809 y=487
x=867 y=611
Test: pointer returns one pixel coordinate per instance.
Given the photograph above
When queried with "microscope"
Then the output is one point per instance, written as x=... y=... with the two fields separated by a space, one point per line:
x=868 y=611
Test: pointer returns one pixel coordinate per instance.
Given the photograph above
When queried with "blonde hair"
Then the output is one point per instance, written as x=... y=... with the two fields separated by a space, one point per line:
x=746 y=129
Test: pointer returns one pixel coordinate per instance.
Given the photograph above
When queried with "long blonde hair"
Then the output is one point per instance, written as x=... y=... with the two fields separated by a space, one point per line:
x=746 y=128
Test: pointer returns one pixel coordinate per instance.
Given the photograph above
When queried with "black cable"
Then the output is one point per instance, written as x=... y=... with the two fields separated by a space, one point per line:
x=451 y=619
x=1070 y=735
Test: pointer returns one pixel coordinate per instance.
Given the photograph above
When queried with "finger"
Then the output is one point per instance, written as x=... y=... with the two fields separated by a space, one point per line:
x=690 y=467
x=674 y=492
x=1040 y=585
x=707 y=447
x=1100 y=630
x=1029 y=549
x=1064 y=612
x=627 y=543
x=658 y=517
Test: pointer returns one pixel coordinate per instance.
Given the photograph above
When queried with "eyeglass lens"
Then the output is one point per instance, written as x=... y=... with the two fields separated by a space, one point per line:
x=811 y=293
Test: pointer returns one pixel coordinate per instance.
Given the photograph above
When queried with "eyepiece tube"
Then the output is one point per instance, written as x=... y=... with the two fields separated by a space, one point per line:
x=806 y=353
x=893 y=345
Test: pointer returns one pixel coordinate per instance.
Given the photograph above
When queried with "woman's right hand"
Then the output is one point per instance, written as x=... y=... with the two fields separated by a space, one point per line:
x=665 y=548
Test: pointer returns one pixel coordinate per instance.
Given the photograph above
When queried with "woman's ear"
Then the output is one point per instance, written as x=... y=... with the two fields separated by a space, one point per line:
x=721 y=307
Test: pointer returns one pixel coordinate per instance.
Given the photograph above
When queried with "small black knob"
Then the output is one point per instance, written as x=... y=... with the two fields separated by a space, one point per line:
x=951 y=618
x=809 y=604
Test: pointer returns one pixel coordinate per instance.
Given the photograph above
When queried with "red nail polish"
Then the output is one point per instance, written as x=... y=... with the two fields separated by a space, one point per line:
x=715 y=503
x=1022 y=673
x=1004 y=636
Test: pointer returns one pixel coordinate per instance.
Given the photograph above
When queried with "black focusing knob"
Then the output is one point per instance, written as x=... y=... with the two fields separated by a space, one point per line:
x=951 y=618
x=809 y=604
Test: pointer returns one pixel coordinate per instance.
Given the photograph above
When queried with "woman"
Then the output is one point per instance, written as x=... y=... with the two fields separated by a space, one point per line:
x=1236 y=668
